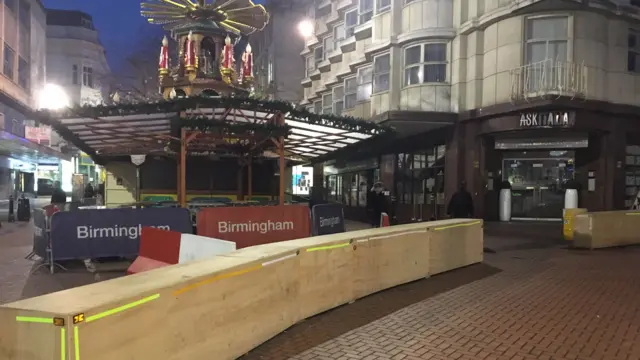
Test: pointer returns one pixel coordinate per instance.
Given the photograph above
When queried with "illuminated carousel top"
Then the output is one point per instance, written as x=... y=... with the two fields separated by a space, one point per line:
x=241 y=17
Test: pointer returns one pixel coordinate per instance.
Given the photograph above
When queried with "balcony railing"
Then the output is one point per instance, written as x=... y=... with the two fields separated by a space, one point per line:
x=549 y=78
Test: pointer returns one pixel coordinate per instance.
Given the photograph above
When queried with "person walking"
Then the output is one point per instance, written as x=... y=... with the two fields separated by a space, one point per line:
x=461 y=203
x=89 y=192
x=377 y=203
x=58 y=196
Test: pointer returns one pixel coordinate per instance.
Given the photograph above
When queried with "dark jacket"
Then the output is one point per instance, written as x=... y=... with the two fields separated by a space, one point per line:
x=377 y=203
x=58 y=196
x=89 y=192
x=461 y=205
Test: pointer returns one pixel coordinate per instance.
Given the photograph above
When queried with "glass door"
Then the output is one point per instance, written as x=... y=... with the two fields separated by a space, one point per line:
x=537 y=186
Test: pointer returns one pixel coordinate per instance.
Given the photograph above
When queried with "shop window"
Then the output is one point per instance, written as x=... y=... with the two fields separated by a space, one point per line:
x=327 y=104
x=420 y=177
x=426 y=63
x=334 y=187
x=338 y=100
x=338 y=35
x=350 y=93
x=365 y=78
x=547 y=38
x=351 y=189
x=632 y=175
x=381 y=68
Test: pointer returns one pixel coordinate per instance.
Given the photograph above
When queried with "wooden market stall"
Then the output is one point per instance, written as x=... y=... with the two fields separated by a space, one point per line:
x=215 y=128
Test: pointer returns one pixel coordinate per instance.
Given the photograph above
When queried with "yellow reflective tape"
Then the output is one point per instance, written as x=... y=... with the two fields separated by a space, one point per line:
x=121 y=308
x=63 y=344
x=328 y=247
x=633 y=213
x=31 y=319
x=216 y=278
x=76 y=342
x=456 y=225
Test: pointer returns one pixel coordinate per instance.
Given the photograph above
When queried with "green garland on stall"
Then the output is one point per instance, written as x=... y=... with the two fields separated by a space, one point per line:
x=347 y=123
x=205 y=125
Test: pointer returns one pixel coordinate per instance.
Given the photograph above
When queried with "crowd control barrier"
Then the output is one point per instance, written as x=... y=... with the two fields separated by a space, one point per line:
x=159 y=248
x=101 y=233
x=254 y=225
x=606 y=229
x=224 y=307
x=327 y=219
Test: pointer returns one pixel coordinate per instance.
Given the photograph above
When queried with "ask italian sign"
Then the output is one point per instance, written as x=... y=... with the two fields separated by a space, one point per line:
x=546 y=119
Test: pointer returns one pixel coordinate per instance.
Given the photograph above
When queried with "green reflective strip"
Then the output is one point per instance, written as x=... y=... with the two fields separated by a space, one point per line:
x=328 y=247
x=121 y=308
x=34 y=319
x=456 y=225
x=76 y=342
x=63 y=344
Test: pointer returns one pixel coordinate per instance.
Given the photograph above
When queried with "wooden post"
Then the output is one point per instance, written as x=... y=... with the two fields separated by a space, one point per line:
x=249 y=179
x=178 y=176
x=240 y=179
x=182 y=192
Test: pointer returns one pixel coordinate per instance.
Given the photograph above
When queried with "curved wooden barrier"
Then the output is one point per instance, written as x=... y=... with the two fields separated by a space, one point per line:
x=224 y=307
x=606 y=229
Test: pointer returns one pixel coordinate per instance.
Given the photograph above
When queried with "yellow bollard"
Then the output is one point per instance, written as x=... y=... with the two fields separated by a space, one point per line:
x=567 y=221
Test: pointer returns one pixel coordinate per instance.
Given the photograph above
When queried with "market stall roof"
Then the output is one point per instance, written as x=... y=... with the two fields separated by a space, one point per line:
x=148 y=128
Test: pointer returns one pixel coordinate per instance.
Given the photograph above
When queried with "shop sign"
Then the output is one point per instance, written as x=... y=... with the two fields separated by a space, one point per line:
x=546 y=119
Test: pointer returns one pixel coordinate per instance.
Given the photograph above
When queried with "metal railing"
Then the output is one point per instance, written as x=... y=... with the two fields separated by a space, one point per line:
x=549 y=78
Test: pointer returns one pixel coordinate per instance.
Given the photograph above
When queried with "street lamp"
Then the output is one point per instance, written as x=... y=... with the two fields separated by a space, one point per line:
x=52 y=97
x=305 y=28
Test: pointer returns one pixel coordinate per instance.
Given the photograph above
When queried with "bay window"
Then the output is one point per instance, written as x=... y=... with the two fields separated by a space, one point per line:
x=381 y=68
x=547 y=38
x=633 y=53
x=338 y=35
x=328 y=47
x=350 y=22
x=350 y=93
x=365 y=79
x=311 y=64
x=318 y=55
x=426 y=63
x=382 y=6
x=365 y=11
x=327 y=104
x=338 y=100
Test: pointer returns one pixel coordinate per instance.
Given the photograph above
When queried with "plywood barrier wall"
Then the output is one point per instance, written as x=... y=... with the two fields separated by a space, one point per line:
x=226 y=306
x=606 y=229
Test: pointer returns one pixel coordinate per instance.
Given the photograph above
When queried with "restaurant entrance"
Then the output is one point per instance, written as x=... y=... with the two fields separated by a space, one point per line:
x=538 y=180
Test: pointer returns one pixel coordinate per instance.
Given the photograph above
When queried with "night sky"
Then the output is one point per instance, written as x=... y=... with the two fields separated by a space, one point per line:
x=119 y=23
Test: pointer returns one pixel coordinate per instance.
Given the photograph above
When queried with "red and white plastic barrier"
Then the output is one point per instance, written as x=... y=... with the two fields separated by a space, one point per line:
x=384 y=220
x=159 y=248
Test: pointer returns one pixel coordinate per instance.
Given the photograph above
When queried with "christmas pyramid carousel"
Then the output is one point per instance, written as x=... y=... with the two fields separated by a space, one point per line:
x=207 y=111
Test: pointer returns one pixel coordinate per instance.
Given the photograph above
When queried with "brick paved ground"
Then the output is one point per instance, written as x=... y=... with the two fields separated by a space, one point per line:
x=547 y=303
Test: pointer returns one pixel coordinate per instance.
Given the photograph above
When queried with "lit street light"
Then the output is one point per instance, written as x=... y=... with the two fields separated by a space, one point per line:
x=52 y=97
x=305 y=28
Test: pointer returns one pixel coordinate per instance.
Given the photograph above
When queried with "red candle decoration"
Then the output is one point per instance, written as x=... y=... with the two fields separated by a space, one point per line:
x=190 y=53
x=227 y=54
x=163 y=64
x=247 y=63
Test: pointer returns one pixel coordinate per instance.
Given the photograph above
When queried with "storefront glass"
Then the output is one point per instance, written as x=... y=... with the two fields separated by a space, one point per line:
x=351 y=189
x=538 y=182
x=420 y=182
